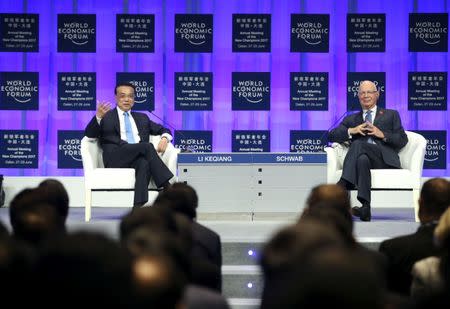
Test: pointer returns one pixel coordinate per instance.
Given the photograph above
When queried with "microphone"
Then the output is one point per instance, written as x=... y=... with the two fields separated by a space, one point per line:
x=346 y=113
x=173 y=128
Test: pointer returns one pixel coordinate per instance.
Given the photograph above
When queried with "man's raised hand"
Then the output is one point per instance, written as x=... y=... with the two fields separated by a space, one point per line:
x=102 y=108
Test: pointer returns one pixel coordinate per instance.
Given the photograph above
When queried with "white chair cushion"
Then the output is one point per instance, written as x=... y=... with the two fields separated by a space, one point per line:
x=112 y=178
x=398 y=179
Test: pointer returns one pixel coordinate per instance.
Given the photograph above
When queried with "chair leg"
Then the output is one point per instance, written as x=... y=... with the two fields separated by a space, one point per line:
x=87 y=205
x=416 y=194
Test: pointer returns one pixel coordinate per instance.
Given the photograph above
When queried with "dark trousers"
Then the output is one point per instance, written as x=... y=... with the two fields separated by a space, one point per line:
x=146 y=163
x=362 y=157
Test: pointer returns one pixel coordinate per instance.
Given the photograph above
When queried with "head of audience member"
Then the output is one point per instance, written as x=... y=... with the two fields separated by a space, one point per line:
x=368 y=94
x=201 y=271
x=157 y=218
x=182 y=198
x=330 y=196
x=84 y=264
x=161 y=267
x=332 y=216
x=290 y=247
x=56 y=194
x=157 y=230
x=145 y=240
x=293 y=243
x=33 y=218
x=331 y=277
x=434 y=199
x=157 y=282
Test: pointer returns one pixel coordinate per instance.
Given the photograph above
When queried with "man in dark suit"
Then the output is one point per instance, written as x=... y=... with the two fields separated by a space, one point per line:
x=124 y=138
x=402 y=252
x=206 y=252
x=376 y=136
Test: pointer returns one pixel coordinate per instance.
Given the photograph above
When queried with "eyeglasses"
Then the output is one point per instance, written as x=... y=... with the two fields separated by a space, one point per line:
x=363 y=93
x=123 y=96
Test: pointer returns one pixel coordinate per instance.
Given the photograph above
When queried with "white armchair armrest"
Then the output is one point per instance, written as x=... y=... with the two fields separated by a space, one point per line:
x=169 y=157
x=332 y=164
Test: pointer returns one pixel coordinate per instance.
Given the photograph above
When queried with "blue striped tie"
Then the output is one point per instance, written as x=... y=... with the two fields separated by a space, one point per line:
x=369 y=119
x=128 y=130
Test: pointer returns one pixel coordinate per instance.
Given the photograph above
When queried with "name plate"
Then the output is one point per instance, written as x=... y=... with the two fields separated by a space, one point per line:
x=251 y=158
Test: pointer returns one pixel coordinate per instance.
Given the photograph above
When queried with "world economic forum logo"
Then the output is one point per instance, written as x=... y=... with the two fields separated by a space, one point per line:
x=76 y=32
x=310 y=32
x=193 y=32
x=428 y=32
x=193 y=141
x=19 y=90
x=251 y=90
x=436 y=150
x=69 y=148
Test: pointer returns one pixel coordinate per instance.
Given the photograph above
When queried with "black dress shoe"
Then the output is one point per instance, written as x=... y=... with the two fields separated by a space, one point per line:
x=362 y=212
x=345 y=184
x=365 y=214
x=356 y=211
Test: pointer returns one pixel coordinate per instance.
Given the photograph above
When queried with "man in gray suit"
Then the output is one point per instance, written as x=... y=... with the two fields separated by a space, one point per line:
x=376 y=136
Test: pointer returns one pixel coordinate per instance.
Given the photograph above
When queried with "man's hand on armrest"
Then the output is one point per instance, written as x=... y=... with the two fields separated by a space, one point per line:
x=162 y=145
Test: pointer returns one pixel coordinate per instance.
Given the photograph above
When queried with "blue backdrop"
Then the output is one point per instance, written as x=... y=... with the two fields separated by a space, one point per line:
x=397 y=61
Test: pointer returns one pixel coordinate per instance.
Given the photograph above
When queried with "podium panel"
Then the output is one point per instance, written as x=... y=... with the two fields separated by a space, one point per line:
x=252 y=182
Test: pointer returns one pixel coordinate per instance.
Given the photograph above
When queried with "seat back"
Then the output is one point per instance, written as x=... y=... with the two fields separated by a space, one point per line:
x=91 y=154
x=413 y=152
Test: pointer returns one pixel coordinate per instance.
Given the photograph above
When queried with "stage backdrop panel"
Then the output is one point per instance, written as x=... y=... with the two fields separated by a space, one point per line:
x=278 y=74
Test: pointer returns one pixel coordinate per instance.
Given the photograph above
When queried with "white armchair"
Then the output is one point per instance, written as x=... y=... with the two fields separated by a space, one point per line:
x=407 y=178
x=99 y=178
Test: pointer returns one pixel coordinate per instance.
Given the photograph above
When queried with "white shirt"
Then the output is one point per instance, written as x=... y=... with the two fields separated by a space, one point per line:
x=374 y=112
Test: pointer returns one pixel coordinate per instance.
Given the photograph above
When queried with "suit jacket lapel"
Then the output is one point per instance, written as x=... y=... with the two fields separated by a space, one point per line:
x=116 y=121
x=379 y=115
x=360 y=117
x=138 y=123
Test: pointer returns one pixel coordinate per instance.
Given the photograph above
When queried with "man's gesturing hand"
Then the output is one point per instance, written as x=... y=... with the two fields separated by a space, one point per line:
x=102 y=108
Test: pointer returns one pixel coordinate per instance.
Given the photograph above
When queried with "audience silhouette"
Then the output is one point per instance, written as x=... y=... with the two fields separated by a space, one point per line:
x=166 y=259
